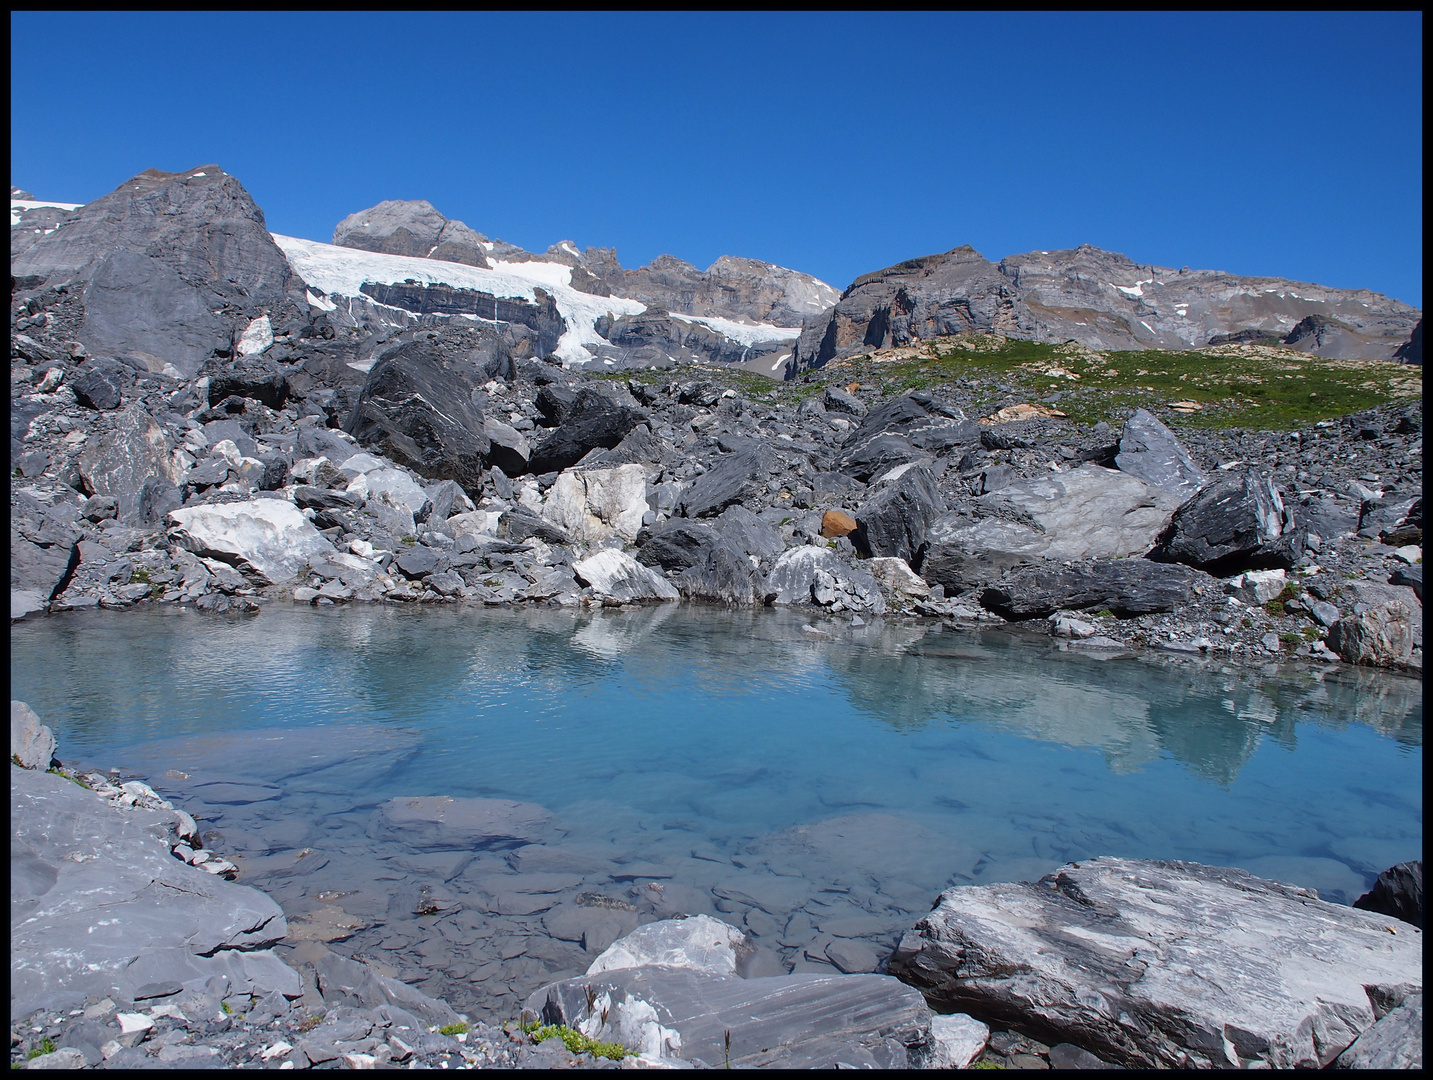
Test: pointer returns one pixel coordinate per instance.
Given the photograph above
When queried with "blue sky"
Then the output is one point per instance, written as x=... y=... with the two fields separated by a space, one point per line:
x=1280 y=144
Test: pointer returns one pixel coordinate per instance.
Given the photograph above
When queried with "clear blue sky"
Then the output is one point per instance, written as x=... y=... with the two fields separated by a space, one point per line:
x=1280 y=144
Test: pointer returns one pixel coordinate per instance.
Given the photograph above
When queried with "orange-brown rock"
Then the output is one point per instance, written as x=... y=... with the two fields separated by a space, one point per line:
x=837 y=523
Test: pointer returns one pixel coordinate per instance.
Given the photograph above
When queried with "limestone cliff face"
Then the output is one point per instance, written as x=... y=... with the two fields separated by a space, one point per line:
x=1103 y=300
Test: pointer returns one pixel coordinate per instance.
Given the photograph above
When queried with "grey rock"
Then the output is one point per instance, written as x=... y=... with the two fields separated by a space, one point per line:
x=675 y=544
x=415 y=228
x=508 y=449
x=416 y=560
x=64 y=1058
x=748 y=533
x=265 y=538
x=593 y=421
x=132 y=915
x=1409 y=576
x=99 y=386
x=818 y=575
x=43 y=570
x=956 y=1041
x=1148 y=964
x=1397 y=892
x=415 y=408
x=1324 y=613
x=1152 y=452
x=903 y=430
x=157 y=257
x=724 y=575
x=1238 y=522
x=837 y=400
x=894 y=521
x=441 y=823
x=521 y=522
x=120 y=462
x=1068 y=1056
x=1328 y=516
x=32 y=743
x=616 y=575
x=732 y=478
x=1084 y=513
x=1124 y=586
x=1395 y=1041
x=790 y=1021
x=697 y=943
x=1382 y=636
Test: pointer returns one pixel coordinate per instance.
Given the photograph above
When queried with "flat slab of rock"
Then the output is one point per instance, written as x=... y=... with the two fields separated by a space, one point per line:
x=800 y=1021
x=1163 y=964
x=1152 y=452
x=616 y=574
x=439 y=822
x=699 y=943
x=1124 y=586
x=99 y=905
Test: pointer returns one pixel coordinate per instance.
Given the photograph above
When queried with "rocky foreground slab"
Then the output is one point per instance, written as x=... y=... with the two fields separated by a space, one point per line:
x=1166 y=964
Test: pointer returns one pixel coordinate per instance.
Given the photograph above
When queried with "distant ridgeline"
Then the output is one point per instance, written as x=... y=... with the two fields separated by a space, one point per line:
x=172 y=267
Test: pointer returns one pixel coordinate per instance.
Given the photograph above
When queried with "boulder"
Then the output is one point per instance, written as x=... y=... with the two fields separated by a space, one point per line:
x=836 y=523
x=801 y=1021
x=257 y=379
x=905 y=429
x=158 y=258
x=416 y=409
x=697 y=943
x=736 y=477
x=675 y=544
x=894 y=521
x=616 y=575
x=1256 y=586
x=724 y=575
x=101 y=907
x=519 y=523
x=1382 y=636
x=593 y=504
x=748 y=533
x=1397 y=892
x=594 y=421
x=1085 y=513
x=99 y=386
x=1238 y=522
x=120 y=462
x=818 y=575
x=896 y=576
x=1394 y=1042
x=508 y=448
x=956 y=1041
x=266 y=538
x=1154 y=964
x=1152 y=452
x=1124 y=586
x=32 y=744
x=395 y=486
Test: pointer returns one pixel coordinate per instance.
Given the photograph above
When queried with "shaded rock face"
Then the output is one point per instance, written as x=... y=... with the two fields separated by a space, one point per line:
x=1103 y=300
x=594 y=420
x=907 y=429
x=539 y=315
x=893 y=523
x=416 y=407
x=1382 y=636
x=1397 y=892
x=1238 y=522
x=1124 y=586
x=1394 y=1042
x=1152 y=964
x=158 y=257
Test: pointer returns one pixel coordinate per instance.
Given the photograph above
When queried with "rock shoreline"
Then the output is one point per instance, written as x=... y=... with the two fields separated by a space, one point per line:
x=1095 y=959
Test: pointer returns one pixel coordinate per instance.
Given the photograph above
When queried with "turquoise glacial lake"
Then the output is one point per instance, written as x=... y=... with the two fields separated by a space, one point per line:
x=815 y=783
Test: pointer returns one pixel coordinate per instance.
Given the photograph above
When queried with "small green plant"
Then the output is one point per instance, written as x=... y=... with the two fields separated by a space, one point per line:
x=1104 y=613
x=1310 y=633
x=986 y=1065
x=1291 y=639
x=1275 y=607
x=1246 y=623
x=408 y=540
x=15 y=760
x=575 y=1041
x=460 y=1028
x=47 y=1046
x=141 y=575
x=225 y=1006
x=309 y=1023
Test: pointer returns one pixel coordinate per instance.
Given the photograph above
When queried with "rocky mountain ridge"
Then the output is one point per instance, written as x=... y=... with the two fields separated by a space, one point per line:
x=1104 y=300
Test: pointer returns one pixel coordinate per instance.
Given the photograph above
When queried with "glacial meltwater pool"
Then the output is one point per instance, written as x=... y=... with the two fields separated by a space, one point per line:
x=816 y=784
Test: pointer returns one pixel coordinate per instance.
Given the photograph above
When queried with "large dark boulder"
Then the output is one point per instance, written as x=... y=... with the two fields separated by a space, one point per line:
x=1397 y=892
x=100 y=385
x=1236 y=523
x=121 y=461
x=260 y=380
x=675 y=544
x=595 y=420
x=724 y=575
x=732 y=478
x=1152 y=452
x=894 y=521
x=1124 y=586
x=906 y=429
x=416 y=408
x=173 y=266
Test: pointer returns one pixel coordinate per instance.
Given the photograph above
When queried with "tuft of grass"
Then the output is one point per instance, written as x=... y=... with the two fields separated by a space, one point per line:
x=1291 y=639
x=575 y=1041
x=459 y=1028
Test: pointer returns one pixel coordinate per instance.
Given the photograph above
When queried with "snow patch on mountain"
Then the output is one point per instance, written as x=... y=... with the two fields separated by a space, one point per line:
x=19 y=206
x=343 y=271
x=747 y=334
